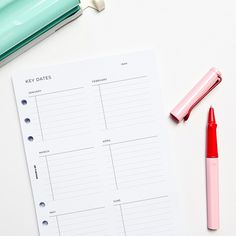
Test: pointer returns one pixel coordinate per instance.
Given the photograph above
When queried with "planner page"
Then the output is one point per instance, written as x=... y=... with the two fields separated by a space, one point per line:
x=96 y=147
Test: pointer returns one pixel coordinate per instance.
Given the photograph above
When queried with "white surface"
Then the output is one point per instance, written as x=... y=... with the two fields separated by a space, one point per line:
x=189 y=37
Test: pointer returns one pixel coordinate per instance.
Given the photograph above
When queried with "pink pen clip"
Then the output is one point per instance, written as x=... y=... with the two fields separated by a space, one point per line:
x=197 y=93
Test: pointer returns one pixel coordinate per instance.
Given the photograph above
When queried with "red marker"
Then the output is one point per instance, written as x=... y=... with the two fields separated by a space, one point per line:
x=212 y=179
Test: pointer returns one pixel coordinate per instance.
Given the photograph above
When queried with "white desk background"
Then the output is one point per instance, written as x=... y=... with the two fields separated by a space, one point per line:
x=189 y=37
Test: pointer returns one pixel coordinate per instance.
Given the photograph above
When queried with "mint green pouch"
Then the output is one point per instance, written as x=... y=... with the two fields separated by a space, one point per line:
x=23 y=23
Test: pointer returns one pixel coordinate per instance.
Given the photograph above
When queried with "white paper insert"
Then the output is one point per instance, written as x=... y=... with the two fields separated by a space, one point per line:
x=96 y=149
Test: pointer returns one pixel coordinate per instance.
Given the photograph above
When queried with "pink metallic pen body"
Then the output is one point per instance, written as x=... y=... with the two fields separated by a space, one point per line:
x=212 y=177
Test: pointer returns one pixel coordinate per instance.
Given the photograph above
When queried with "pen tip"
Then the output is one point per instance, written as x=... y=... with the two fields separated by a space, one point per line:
x=211 y=115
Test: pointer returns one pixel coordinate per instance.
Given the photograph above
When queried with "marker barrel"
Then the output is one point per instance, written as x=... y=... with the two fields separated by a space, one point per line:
x=212 y=181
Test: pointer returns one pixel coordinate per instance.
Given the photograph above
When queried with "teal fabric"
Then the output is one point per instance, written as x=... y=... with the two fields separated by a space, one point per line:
x=20 y=19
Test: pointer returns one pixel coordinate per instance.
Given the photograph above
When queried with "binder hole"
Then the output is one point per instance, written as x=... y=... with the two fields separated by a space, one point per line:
x=30 y=138
x=27 y=120
x=24 y=102
x=42 y=204
x=45 y=223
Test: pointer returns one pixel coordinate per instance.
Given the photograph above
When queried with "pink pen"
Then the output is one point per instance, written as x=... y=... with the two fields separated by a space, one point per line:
x=212 y=179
